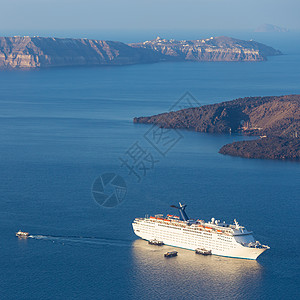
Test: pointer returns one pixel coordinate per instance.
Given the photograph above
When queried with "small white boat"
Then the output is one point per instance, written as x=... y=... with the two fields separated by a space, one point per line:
x=22 y=234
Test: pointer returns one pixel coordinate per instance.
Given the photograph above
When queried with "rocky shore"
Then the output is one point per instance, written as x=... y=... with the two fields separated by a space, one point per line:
x=265 y=148
x=275 y=119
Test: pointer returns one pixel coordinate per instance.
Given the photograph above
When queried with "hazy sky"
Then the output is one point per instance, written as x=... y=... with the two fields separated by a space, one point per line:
x=146 y=14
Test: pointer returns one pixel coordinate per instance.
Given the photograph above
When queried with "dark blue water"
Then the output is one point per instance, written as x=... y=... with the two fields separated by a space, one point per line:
x=62 y=128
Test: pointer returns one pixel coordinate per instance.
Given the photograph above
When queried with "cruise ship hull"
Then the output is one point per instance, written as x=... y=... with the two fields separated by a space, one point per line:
x=193 y=240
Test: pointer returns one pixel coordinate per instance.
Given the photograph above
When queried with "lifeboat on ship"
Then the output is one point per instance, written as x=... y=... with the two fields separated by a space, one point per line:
x=202 y=251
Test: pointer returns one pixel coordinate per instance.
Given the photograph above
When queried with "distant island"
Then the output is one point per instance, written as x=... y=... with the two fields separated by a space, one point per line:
x=40 y=52
x=270 y=28
x=275 y=119
x=265 y=148
x=212 y=49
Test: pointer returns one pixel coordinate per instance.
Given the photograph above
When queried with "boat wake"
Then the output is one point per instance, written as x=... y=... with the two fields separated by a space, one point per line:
x=82 y=240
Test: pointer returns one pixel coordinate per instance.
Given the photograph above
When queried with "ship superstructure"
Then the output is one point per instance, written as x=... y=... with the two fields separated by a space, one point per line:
x=232 y=240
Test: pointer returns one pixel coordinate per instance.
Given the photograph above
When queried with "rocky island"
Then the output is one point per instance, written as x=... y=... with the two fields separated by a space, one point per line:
x=270 y=28
x=40 y=52
x=269 y=147
x=275 y=119
x=212 y=49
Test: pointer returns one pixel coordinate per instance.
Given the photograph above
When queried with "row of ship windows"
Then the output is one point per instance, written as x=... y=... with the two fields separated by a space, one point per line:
x=204 y=244
x=189 y=231
x=173 y=227
x=188 y=240
x=225 y=238
x=197 y=231
x=188 y=236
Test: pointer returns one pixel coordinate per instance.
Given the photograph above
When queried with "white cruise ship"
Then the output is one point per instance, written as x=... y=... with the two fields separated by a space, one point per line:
x=220 y=238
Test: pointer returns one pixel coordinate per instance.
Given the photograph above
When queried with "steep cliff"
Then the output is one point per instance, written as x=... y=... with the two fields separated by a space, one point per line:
x=37 y=52
x=213 y=49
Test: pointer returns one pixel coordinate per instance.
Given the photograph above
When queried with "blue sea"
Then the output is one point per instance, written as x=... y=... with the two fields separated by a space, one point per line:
x=62 y=128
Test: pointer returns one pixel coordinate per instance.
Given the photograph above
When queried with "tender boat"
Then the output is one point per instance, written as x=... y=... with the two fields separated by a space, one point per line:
x=22 y=234
x=203 y=251
x=156 y=242
x=171 y=254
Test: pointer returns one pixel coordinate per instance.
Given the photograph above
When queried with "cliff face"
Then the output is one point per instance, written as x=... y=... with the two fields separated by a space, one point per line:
x=278 y=118
x=27 y=52
x=212 y=49
x=272 y=116
x=36 y=52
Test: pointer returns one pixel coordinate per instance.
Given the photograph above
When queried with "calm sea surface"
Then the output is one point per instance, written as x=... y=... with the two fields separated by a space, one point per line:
x=62 y=128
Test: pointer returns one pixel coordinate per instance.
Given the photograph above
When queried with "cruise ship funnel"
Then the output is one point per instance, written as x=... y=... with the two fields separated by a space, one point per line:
x=181 y=208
